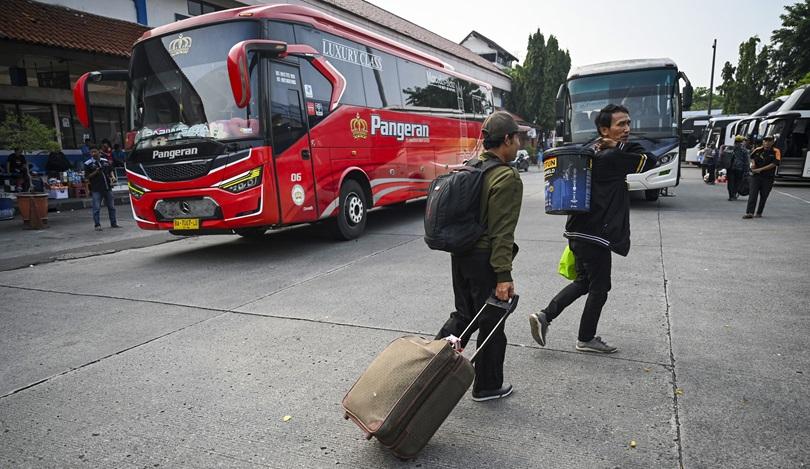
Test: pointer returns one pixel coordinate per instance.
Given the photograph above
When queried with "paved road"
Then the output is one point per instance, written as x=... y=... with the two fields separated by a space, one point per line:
x=192 y=353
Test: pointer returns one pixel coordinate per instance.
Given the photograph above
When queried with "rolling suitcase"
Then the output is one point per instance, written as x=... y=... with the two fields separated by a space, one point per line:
x=413 y=385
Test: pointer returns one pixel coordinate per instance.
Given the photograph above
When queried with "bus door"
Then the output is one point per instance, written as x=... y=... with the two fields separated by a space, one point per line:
x=292 y=154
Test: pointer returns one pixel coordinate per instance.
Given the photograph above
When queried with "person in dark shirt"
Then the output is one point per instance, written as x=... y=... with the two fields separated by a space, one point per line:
x=593 y=235
x=17 y=168
x=118 y=156
x=487 y=267
x=764 y=161
x=99 y=172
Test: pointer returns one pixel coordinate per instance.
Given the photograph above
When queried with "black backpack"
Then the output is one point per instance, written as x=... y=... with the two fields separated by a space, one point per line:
x=454 y=206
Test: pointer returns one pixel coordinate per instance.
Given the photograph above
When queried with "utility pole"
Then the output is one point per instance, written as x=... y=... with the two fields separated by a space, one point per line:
x=711 y=79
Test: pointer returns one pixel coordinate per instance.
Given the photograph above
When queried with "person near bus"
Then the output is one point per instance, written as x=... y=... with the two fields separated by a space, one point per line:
x=99 y=172
x=593 y=235
x=118 y=156
x=709 y=164
x=17 y=168
x=738 y=166
x=764 y=161
x=488 y=266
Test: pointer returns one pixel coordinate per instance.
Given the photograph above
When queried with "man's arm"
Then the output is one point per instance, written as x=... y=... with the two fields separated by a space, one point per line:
x=617 y=159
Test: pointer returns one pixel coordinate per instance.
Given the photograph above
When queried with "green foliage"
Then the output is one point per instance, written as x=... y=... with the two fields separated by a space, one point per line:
x=751 y=85
x=791 y=44
x=805 y=80
x=535 y=83
x=700 y=99
x=31 y=135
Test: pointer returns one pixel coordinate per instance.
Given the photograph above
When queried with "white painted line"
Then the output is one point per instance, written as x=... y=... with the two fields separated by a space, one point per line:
x=794 y=197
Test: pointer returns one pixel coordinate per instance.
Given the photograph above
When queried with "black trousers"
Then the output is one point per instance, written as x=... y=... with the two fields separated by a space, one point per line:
x=760 y=188
x=473 y=282
x=710 y=170
x=593 y=264
x=735 y=177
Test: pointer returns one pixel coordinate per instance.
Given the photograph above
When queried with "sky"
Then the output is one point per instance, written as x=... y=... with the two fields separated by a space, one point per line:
x=601 y=31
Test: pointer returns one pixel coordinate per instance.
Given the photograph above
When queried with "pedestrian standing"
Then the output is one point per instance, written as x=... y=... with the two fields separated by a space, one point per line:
x=593 y=235
x=709 y=163
x=17 y=168
x=100 y=174
x=738 y=166
x=118 y=156
x=764 y=161
x=488 y=266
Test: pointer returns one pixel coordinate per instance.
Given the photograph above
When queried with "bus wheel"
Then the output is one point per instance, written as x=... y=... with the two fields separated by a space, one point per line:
x=351 y=220
x=651 y=195
x=251 y=233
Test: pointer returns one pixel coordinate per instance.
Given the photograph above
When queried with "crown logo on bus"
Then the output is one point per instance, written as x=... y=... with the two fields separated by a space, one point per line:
x=359 y=127
x=181 y=45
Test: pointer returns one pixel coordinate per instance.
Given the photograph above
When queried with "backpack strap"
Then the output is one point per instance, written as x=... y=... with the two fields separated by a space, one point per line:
x=487 y=164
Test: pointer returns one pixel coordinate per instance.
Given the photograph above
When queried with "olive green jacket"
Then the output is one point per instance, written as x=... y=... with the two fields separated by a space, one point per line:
x=501 y=198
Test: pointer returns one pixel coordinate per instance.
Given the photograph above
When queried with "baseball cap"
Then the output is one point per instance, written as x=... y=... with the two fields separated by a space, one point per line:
x=498 y=125
x=739 y=138
x=767 y=137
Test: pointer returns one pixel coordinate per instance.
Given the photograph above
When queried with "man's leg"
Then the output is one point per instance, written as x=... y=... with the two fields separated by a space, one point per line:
x=731 y=184
x=111 y=207
x=597 y=262
x=463 y=315
x=571 y=292
x=752 y=195
x=96 y=207
x=765 y=191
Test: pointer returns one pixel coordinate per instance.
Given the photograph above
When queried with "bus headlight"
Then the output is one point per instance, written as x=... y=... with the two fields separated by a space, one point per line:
x=136 y=191
x=662 y=160
x=244 y=181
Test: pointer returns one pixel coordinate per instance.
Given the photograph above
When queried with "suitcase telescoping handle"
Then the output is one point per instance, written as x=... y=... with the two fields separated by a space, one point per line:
x=506 y=306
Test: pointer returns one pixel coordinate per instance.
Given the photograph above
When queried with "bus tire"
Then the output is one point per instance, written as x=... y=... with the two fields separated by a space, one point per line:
x=651 y=195
x=251 y=233
x=352 y=214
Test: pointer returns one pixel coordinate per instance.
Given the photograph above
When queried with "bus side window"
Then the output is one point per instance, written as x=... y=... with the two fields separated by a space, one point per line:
x=413 y=80
x=381 y=81
x=286 y=118
x=338 y=51
x=317 y=90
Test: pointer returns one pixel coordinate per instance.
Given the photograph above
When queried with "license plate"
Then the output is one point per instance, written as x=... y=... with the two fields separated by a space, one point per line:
x=186 y=223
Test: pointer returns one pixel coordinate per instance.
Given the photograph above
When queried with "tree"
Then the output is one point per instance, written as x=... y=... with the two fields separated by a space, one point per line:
x=535 y=83
x=751 y=85
x=791 y=44
x=700 y=99
x=27 y=134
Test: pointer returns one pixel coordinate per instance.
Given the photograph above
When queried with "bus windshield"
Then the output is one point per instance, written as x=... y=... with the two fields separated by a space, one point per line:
x=649 y=95
x=180 y=86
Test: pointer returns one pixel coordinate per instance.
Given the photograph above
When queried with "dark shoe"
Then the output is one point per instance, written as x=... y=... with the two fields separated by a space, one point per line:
x=115 y=226
x=747 y=216
x=595 y=345
x=99 y=228
x=758 y=215
x=730 y=199
x=481 y=396
x=539 y=326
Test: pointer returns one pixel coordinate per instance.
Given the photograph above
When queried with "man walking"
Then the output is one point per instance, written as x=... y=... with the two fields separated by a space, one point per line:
x=764 y=161
x=740 y=161
x=593 y=235
x=488 y=266
x=99 y=173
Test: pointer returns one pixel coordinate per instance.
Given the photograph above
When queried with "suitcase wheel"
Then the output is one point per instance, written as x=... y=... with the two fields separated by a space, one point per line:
x=368 y=436
x=345 y=416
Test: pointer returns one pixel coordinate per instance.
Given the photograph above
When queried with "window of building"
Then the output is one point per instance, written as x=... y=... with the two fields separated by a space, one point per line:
x=196 y=7
x=54 y=79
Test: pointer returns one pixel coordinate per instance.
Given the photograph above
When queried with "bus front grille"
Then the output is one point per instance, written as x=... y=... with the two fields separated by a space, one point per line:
x=181 y=171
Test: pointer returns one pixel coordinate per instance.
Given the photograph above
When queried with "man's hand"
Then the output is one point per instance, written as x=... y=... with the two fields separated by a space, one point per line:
x=605 y=143
x=505 y=290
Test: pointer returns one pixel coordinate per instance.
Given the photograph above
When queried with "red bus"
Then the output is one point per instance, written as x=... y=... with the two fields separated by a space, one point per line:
x=267 y=116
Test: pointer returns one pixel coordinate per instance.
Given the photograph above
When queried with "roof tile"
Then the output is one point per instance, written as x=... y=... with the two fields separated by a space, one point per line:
x=56 y=26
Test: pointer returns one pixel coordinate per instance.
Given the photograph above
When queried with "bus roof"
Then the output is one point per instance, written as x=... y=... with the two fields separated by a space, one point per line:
x=621 y=66
x=318 y=20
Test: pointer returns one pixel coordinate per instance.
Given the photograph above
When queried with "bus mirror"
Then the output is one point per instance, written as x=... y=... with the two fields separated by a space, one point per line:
x=559 y=104
x=239 y=69
x=687 y=96
x=81 y=98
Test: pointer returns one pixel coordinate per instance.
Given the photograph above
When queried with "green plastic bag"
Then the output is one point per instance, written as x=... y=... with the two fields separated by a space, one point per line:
x=567 y=268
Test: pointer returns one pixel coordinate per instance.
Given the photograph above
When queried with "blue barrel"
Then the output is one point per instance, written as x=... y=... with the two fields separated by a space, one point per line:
x=567 y=172
x=6 y=207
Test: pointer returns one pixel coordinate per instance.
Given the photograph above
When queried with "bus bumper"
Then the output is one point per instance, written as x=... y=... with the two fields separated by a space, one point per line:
x=657 y=178
x=216 y=210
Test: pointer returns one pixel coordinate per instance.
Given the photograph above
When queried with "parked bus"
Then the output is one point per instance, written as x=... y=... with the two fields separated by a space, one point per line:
x=266 y=116
x=749 y=126
x=649 y=89
x=790 y=126
x=720 y=130
x=693 y=130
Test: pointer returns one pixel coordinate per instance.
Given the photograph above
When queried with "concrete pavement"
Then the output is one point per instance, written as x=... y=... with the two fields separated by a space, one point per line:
x=191 y=353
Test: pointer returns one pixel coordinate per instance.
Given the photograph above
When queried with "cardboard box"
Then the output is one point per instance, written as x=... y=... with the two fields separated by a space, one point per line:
x=58 y=193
